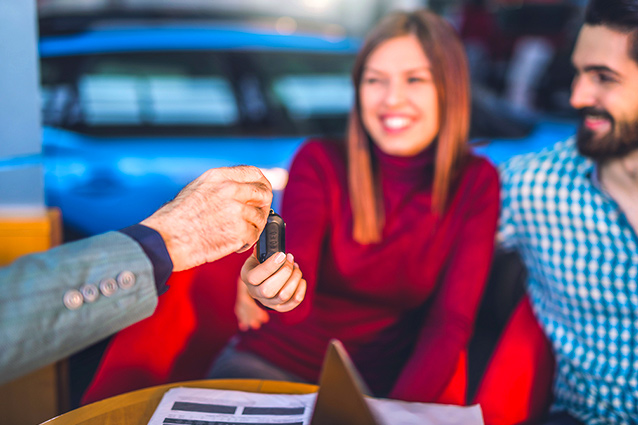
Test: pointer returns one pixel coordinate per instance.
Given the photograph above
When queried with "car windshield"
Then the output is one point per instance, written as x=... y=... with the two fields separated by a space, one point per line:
x=315 y=90
x=186 y=92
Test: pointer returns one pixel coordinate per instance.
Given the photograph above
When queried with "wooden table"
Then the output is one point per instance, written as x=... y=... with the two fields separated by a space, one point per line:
x=137 y=407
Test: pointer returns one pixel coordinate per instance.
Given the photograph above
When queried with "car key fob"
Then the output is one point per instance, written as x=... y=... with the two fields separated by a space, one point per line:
x=273 y=238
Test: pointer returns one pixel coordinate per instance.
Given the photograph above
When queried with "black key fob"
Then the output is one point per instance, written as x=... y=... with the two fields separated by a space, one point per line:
x=273 y=238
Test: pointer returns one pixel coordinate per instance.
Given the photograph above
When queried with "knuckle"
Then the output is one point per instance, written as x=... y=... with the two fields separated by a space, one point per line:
x=224 y=185
x=285 y=296
x=240 y=208
x=250 y=169
x=288 y=292
x=277 y=299
x=252 y=281
x=303 y=285
x=269 y=293
x=260 y=295
x=288 y=268
x=265 y=190
x=254 y=293
x=209 y=174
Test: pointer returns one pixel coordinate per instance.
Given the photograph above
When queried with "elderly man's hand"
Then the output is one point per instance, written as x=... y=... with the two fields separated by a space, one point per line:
x=221 y=212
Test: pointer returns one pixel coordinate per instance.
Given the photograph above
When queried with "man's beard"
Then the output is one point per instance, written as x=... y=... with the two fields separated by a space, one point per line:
x=621 y=139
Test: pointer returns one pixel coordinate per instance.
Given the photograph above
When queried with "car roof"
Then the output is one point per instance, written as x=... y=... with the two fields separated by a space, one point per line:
x=130 y=37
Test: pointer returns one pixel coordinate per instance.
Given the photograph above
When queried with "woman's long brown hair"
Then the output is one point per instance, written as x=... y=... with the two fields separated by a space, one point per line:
x=450 y=72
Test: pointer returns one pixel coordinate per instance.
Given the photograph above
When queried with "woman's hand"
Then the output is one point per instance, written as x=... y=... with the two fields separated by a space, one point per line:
x=277 y=283
x=249 y=314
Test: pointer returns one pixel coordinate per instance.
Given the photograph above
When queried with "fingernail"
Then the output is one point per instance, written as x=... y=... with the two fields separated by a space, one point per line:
x=280 y=257
x=290 y=257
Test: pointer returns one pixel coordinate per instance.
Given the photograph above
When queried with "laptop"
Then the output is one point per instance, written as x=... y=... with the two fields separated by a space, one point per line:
x=341 y=396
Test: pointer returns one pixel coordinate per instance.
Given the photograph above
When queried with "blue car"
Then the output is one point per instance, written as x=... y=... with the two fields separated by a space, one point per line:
x=133 y=112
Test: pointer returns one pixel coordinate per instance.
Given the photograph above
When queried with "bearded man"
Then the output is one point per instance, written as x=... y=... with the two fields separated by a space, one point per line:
x=572 y=214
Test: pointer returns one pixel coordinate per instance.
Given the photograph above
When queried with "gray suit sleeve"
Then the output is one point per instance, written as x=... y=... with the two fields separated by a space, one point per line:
x=55 y=303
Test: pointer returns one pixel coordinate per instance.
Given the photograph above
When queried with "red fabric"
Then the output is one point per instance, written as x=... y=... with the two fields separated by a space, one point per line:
x=516 y=387
x=194 y=319
x=404 y=308
x=456 y=390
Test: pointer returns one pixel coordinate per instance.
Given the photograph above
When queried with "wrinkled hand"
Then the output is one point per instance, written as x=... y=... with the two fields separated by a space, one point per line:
x=249 y=314
x=222 y=211
x=277 y=283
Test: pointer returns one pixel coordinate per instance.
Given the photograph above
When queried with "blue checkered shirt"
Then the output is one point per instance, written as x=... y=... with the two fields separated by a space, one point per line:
x=582 y=261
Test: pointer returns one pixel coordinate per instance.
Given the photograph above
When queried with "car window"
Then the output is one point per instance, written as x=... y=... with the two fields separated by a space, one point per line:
x=285 y=93
x=115 y=99
x=138 y=90
x=314 y=89
x=314 y=95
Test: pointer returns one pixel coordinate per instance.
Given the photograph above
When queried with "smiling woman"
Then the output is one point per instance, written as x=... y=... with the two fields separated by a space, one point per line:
x=431 y=60
x=393 y=230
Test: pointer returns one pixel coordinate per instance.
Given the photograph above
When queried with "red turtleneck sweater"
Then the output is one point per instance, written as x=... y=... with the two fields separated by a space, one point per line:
x=405 y=307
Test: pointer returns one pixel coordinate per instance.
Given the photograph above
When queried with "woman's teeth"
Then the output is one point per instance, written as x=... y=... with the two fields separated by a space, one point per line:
x=396 y=123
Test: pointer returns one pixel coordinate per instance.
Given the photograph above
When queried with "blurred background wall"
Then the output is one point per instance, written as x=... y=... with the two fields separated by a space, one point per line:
x=25 y=224
x=20 y=171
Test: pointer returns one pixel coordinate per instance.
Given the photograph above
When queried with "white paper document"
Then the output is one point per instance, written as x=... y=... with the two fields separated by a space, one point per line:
x=198 y=406
x=395 y=412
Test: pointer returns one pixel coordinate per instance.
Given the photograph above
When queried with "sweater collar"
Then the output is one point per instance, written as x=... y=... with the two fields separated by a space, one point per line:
x=406 y=168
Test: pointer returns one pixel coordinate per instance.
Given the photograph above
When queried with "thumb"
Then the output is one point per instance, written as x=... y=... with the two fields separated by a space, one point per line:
x=254 y=273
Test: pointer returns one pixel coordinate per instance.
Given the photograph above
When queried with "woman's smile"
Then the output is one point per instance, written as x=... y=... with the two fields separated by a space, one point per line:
x=396 y=124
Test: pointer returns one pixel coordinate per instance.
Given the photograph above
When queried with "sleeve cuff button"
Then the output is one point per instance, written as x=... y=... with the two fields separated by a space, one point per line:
x=108 y=287
x=73 y=299
x=90 y=292
x=126 y=280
